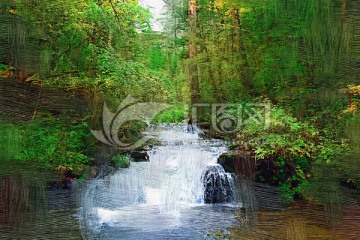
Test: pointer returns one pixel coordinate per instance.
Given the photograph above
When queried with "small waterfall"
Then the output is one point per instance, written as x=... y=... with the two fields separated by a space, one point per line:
x=182 y=174
x=219 y=186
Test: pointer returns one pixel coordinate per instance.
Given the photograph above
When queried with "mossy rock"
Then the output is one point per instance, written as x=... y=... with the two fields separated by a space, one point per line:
x=120 y=161
x=242 y=163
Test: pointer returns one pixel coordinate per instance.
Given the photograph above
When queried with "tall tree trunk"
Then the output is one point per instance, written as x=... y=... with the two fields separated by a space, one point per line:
x=240 y=52
x=193 y=70
x=237 y=30
x=212 y=79
x=343 y=4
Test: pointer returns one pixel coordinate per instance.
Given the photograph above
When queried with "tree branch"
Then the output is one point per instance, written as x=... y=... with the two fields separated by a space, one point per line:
x=116 y=14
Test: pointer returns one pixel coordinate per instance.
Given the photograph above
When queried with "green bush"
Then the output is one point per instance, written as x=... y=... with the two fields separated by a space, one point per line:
x=175 y=114
x=284 y=137
x=286 y=151
x=120 y=161
x=55 y=144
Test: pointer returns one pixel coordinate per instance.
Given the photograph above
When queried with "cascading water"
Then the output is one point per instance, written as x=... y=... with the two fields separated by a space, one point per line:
x=165 y=197
x=219 y=186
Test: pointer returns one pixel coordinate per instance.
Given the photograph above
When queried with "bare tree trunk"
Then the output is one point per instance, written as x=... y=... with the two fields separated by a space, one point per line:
x=192 y=47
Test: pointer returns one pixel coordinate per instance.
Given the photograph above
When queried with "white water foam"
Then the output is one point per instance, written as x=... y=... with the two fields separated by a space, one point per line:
x=155 y=196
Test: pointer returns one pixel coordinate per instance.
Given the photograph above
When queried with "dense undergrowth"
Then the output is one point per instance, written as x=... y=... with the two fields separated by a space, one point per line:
x=287 y=150
x=51 y=143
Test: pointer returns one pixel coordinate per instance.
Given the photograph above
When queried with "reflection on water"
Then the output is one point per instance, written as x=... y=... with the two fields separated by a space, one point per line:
x=303 y=221
x=28 y=210
x=14 y=197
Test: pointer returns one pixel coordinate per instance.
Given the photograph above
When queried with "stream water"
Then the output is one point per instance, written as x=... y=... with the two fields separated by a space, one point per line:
x=162 y=198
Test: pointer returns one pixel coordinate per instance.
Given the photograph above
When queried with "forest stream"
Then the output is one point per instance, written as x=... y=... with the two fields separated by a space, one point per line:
x=179 y=119
x=163 y=198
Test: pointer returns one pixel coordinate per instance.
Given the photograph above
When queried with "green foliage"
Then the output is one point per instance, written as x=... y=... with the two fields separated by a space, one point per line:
x=3 y=67
x=10 y=136
x=54 y=144
x=157 y=58
x=175 y=114
x=287 y=149
x=121 y=78
x=98 y=47
x=284 y=137
x=288 y=192
x=120 y=161
x=349 y=161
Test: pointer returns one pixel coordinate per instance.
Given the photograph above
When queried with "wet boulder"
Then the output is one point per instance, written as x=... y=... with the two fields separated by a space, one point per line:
x=139 y=156
x=68 y=181
x=241 y=163
x=218 y=185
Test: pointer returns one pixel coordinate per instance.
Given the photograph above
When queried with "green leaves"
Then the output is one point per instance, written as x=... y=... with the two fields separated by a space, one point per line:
x=120 y=161
x=53 y=144
x=175 y=114
x=10 y=138
x=287 y=136
x=287 y=149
